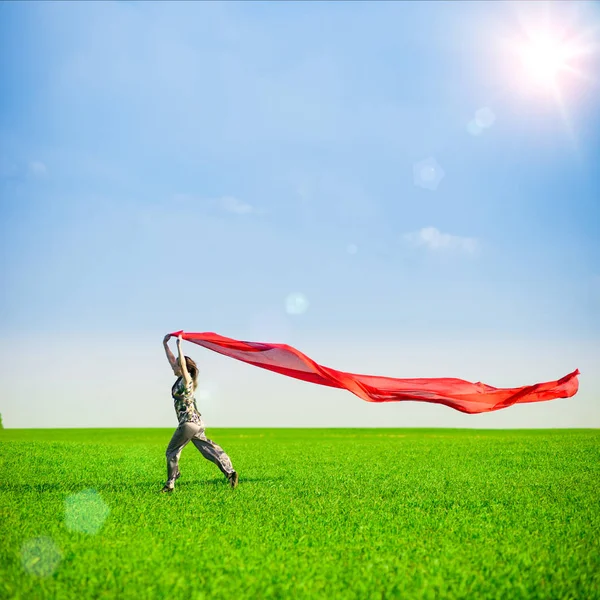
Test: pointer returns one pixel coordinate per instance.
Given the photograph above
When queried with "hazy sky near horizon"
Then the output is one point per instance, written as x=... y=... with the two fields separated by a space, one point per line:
x=382 y=185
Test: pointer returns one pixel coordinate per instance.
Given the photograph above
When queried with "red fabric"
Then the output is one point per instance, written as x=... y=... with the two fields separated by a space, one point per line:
x=461 y=395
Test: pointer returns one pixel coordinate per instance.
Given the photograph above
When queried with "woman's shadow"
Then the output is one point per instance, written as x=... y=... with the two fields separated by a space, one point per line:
x=191 y=483
x=223 y=481
x=53 y=487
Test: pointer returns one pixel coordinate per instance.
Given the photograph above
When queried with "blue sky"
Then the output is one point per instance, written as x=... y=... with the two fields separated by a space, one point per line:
x=170 y=166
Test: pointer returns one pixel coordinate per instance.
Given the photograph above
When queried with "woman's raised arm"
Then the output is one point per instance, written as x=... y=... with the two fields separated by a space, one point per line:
x=182 y=364
x=170 y=356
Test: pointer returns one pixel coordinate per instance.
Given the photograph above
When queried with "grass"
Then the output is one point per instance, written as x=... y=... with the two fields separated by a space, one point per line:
x=330 y=513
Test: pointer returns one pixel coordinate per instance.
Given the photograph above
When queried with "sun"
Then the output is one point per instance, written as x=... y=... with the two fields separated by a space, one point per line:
x=544 y=57
x=552 y=59
x=547 y=56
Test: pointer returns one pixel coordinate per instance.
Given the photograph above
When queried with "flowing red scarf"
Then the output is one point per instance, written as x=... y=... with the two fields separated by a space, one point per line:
x=461 y=395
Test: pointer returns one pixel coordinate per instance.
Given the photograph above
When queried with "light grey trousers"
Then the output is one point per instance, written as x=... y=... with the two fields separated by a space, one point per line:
x=194 y=432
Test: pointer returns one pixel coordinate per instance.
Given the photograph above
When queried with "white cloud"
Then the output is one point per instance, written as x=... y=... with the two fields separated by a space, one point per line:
x=38 y=168
x=228 y=204
x=435 y=240
x=238 y=207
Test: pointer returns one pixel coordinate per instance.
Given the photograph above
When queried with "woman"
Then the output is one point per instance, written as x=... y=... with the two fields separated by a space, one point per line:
x=191 y=426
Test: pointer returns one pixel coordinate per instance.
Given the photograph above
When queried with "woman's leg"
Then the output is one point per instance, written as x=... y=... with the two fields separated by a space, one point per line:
x=183 y=434
x=213 y=452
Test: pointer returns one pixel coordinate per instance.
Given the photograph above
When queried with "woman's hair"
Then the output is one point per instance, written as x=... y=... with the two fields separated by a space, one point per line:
x=192 y=368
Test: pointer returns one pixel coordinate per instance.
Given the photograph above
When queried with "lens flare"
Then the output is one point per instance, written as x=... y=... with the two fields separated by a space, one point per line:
x=428 y=174
x=40 y=556
x=485 y=117
x=296 y=304
x=85 y=512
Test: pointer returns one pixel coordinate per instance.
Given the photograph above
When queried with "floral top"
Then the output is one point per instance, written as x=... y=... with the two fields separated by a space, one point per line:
x=185 y=403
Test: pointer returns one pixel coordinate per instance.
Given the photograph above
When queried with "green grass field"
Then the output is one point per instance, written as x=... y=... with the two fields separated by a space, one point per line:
x=332 y=513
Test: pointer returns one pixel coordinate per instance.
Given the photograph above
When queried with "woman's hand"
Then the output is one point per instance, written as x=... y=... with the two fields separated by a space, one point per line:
x=166 y=338
x=179 y=340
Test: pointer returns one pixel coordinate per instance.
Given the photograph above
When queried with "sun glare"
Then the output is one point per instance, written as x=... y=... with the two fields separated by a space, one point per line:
x=553 y=58
x=544 y=58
